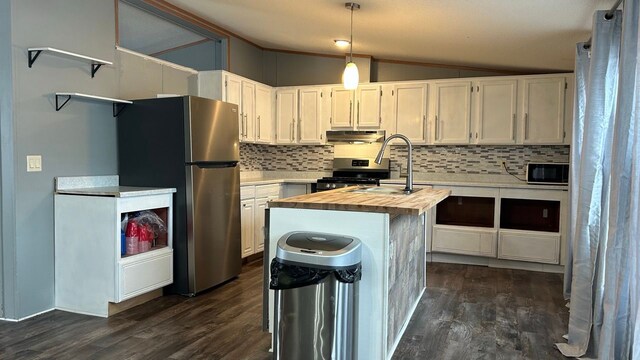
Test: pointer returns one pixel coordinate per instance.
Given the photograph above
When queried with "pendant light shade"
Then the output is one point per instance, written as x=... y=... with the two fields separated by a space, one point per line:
x=350 y=76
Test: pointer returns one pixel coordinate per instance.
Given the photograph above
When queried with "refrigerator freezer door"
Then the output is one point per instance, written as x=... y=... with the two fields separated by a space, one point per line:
x=213 y=209
x=211 y=131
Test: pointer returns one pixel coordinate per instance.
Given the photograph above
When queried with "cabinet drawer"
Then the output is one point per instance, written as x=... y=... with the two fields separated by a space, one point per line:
x=150 y=272
x=247 y=192
x=523 y=246
x=470 y=241
x=267 y=190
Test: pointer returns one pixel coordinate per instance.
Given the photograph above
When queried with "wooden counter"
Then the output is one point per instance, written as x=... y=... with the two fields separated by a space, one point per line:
x=345 y=200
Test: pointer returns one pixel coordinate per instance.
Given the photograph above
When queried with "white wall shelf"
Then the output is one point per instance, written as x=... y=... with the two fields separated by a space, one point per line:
x=118 y=104
x=95 y=63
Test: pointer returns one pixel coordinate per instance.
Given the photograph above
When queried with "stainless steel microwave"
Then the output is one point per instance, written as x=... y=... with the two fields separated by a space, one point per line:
x=548 y=173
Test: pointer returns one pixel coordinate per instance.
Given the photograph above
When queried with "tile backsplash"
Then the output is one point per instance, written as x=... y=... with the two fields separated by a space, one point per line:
x=449 y=159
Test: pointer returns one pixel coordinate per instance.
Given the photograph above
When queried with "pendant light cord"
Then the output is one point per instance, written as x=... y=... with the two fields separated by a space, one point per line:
x=351 y=38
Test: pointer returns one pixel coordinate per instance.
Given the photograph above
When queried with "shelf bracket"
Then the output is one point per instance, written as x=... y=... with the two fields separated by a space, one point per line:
x=94 y=69
x=33 y=55
x=60 y=106
x=117 y=108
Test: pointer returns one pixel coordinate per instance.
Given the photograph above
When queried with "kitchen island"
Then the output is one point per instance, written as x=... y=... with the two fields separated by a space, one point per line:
x=391 y=227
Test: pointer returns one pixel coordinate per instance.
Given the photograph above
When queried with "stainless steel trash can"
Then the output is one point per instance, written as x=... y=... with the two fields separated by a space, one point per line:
x=315 y=277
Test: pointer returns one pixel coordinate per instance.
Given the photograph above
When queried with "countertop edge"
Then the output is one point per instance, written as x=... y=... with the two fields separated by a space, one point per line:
x=117 y=191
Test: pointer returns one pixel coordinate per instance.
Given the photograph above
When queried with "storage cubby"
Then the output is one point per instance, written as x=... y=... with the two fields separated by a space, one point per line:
x=527 y=214
x=161 y=240
x=466 y=211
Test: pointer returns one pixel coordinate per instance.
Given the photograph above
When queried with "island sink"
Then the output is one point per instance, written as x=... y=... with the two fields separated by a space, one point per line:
x=380 y=190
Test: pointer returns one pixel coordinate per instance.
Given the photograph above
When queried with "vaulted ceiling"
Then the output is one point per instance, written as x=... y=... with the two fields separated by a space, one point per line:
x=503 y=34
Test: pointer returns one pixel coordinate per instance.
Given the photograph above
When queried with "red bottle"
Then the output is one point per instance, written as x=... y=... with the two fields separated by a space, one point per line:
x=132 y=238
x=145 y=237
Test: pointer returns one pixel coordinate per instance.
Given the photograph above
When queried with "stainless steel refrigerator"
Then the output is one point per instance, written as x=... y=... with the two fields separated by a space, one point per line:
x=189 y=143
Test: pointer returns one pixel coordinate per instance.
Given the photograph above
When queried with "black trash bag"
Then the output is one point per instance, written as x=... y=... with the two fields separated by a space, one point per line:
x=287 y=276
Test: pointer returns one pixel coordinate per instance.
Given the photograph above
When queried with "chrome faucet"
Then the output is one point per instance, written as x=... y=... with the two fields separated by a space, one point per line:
x=409 y=186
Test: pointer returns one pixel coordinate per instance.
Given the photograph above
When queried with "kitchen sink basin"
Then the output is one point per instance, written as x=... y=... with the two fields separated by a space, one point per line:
x=379 y=190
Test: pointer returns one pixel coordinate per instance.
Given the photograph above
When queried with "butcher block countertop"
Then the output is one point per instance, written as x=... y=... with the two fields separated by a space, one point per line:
x=345 y=200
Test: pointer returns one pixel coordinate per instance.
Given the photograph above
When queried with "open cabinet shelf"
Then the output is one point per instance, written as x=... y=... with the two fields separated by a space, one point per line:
x=118 y=104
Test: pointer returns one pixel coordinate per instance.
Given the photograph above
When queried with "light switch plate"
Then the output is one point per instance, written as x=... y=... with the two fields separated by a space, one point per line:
x=34 y=163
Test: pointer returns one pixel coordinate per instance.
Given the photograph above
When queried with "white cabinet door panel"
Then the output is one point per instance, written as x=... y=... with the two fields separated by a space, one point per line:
x=261 y=206
x=264 y=109
x=310 y=121
x=467 y=241
x=248 y=110
x=543 y=106
x=411 y=111
x=496 y=112
x=368 y=106
x=341 y=108
x=529 y=246
x=286 y=112
x=452 y=112
x=247 y=226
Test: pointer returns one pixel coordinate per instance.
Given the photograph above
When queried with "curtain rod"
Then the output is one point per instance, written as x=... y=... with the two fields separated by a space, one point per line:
x=608 y=16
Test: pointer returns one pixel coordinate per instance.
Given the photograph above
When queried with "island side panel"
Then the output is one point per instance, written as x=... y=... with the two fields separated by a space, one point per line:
x=373 y=230
x=407 y=275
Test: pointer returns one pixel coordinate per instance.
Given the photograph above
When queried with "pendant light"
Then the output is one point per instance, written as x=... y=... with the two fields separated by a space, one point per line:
x=350 y=76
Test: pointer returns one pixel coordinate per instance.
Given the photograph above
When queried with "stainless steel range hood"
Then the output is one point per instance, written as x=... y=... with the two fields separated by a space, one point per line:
x=355 y=137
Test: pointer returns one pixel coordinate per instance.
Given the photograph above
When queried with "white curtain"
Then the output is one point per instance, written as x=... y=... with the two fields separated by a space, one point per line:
x=605 y=193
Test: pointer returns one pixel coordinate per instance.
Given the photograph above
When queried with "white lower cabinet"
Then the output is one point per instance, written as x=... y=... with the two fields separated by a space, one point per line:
x=254 y=201
x=503 y=223
x=90 y=271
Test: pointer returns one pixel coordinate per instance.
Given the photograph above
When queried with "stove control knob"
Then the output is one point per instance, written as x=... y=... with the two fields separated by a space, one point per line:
x=333 y=186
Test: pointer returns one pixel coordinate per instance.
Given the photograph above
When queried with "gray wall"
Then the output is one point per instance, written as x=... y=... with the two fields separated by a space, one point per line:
x=389 y=71
x=285 y=69
x=80 y=139
x=7 y=222
x=245 y=59
x=199 y=57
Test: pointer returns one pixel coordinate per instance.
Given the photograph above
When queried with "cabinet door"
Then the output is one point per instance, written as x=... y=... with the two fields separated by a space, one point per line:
x=387 y=109
x=261 y=206
x=496 y=112
x=368 y=106
x=247 y=231
x=309 y=125
x=264 y=121
x=452 y=112
x=411 y=111
x=543 y=110
x=341 y=108
x=233 y=94
x=286 y=112
x=249 y=110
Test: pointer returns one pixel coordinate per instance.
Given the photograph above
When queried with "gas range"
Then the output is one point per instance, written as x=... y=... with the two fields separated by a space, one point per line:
x=352 y=171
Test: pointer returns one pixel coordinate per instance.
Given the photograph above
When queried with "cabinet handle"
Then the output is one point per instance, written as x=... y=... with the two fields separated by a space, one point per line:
x=436 y=123
x=476 y=134
x=246 y=125
x=513 y=124
x=292 y=125
x=358 y=112
x=299 y=126
x=258 y=128
x=380 y=121
x=526 y=126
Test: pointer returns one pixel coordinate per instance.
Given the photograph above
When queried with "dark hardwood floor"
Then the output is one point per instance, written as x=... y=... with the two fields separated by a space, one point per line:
x=467 y=312
x=474 y=312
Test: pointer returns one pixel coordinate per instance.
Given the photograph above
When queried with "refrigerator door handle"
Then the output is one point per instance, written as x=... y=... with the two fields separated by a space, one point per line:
x=214 y=165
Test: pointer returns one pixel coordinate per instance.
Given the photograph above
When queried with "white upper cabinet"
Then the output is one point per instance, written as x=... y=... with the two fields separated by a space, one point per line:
x=411 y=111
x=264 y=110
x=248 y=111
x=452 y=112
x=233 y=94
x=495 y=111
x=368 y=106
x=543 y=108
x=310 y=119
x=286 y=113
x=387 y=109
x=341 y=108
